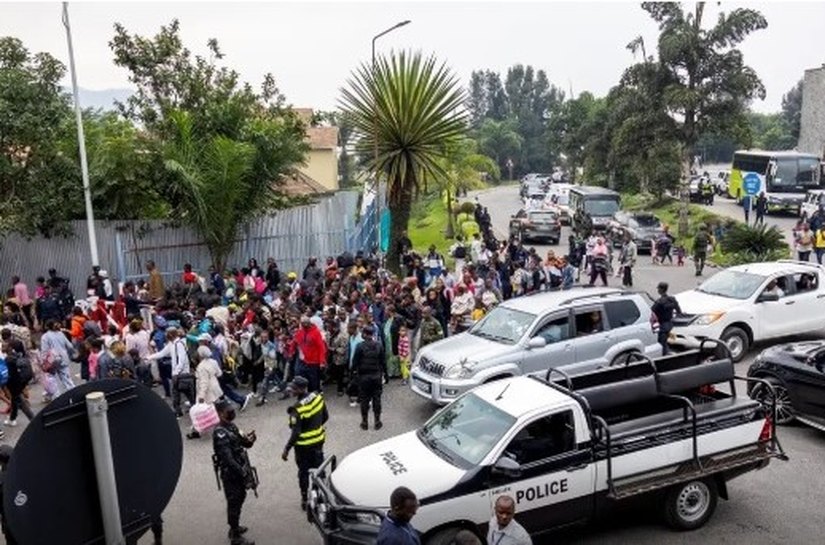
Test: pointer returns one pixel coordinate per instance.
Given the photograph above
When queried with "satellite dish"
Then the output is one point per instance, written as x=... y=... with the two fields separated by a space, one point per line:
x=51 y=476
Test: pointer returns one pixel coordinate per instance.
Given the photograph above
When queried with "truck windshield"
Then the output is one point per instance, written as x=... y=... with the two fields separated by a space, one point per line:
x=504 y=325
x=601 y=207
x=733 y=284
x=466 y=431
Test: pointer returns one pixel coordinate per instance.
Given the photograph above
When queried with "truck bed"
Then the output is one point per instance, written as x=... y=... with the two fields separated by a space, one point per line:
x=669 y=410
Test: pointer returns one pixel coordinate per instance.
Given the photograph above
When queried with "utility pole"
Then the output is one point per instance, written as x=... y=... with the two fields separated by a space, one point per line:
x=377 y=180
x=81 y=142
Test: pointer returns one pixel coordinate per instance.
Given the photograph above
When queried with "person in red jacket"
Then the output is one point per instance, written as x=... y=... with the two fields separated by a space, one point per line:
x=312 y=353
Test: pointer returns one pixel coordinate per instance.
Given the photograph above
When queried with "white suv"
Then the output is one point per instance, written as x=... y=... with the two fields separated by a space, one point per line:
x=749 y=303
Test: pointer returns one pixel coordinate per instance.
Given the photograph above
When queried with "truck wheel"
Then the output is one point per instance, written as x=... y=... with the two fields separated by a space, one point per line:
x=690 y=505
x=737 y=341
x=443 y=537
x=784 y=409
x=622 y=358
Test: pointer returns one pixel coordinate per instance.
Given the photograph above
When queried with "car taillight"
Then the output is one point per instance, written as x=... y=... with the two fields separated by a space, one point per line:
x=767 y=430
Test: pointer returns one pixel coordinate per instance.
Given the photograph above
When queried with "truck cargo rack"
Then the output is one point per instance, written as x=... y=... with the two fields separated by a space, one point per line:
x=697 y=466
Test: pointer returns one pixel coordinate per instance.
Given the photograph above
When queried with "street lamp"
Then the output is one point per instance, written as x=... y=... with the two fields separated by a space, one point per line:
x=375 y=140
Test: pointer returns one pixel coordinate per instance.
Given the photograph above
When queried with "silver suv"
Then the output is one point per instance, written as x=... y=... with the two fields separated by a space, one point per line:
x=576 y=330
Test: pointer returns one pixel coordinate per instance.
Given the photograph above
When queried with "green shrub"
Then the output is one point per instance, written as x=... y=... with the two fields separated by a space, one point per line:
x=741 y=258
x=462 y=217
x=469 y=228
x=754 y=243
x=467 y=207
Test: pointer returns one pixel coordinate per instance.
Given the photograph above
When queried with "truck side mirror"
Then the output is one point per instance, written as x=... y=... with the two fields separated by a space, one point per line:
x=508 y=467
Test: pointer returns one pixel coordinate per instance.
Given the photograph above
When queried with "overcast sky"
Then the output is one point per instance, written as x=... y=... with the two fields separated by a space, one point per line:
x=310 y=47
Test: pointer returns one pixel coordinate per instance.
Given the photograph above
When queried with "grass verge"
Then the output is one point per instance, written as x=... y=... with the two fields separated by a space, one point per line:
x=428 y=224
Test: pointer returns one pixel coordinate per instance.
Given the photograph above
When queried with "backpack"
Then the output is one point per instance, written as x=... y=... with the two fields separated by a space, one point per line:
x=25 y=373
x=117 y=369
x=4 y=372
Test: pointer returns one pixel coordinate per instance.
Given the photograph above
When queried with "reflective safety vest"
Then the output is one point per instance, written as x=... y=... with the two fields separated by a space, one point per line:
x=308 y=414
x=819 y=242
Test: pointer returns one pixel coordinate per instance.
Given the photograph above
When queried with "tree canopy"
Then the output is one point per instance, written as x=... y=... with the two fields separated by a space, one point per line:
x=406 y=110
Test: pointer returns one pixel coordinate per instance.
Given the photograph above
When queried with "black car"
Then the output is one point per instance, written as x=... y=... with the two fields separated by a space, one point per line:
x=797 y=373
x=644 y=227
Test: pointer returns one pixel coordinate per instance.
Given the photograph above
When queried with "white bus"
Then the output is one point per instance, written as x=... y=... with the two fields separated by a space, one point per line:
x=784 y=176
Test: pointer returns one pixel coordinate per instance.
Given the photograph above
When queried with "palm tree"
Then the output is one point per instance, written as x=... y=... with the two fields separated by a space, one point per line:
x=211 y=179
x=408 y=108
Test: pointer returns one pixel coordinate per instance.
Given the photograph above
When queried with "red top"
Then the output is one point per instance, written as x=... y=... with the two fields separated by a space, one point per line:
x=311 y=346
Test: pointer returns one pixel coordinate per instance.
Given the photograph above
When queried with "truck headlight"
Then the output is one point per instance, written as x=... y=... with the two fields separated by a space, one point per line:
x=707 y=319
x=368 y=518
x=459 y=370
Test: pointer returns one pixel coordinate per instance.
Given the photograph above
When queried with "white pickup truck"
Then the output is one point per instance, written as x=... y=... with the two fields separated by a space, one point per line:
x=565 y=450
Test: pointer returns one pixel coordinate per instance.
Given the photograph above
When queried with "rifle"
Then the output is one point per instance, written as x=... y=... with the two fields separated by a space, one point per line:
x=217 y=467
x=250 y=474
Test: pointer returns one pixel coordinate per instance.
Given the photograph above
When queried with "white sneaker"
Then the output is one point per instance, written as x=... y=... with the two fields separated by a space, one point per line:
x=10 y=423
x=353 y=404
x=246 y=402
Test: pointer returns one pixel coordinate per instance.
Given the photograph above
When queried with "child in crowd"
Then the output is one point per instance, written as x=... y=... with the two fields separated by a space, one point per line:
x=680 y=256
x=478 y=311
x=404 y=353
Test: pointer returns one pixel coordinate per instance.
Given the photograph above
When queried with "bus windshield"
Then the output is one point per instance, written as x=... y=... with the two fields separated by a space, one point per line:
x=794 y=174
x=602 y=207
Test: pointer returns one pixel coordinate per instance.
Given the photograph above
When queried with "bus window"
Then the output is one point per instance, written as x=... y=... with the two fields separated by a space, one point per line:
x=808 y=167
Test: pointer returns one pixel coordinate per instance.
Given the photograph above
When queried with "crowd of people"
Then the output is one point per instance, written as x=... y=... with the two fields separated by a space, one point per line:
x=244 y=334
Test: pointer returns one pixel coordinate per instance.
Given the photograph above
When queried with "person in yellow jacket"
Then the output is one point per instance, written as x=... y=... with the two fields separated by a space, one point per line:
x=819 y=244
x=306 y=419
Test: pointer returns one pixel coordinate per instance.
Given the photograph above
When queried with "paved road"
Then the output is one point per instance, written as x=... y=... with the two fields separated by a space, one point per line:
x=780 y=505
x=728 y=207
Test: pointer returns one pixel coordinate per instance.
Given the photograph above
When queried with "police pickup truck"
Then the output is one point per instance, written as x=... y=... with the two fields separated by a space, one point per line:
x=565 y=449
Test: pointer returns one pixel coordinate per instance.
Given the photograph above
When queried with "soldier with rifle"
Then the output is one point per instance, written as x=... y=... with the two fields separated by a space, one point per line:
x=232 y=468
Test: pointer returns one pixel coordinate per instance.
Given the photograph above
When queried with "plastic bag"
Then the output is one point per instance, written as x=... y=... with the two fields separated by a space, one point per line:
x=204 y=416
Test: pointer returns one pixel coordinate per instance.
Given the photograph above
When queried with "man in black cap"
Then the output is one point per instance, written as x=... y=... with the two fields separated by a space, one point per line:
x=306 y=419
x=664 y=308
x=369 y=364
x=235 y=472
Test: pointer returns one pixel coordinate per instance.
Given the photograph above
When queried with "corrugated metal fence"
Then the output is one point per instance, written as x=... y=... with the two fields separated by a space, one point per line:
x=290 y=236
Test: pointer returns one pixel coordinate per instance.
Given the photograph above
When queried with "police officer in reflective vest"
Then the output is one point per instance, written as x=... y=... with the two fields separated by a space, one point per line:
x=235 y=472
x=306 y=418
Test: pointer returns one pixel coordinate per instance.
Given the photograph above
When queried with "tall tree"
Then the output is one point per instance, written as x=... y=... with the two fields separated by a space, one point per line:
x=212 y=175
x=710 y=85
x=410 y=108
x=500 y=140
x=39 y=184
x=792 y=108
x=532 y=100
x=226 y=145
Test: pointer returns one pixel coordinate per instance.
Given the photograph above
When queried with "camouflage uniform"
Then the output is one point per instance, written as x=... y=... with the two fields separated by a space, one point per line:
x=431 y=331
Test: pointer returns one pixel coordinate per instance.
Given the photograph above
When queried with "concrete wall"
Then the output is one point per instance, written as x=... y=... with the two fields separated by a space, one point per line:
x=322 y=166
x=812 y=131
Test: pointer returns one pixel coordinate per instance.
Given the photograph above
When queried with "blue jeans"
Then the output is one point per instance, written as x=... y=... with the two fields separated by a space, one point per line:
x=819 y=253
x=273 y=378
x=310 y=372
x=234 y=396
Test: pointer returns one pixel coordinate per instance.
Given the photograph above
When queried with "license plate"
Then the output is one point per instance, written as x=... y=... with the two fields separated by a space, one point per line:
x=422 y=385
